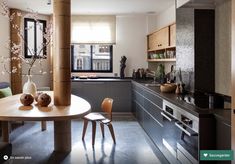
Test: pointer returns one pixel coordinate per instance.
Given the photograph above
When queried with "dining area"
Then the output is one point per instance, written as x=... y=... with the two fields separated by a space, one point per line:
x=14 y=110
x=35 y=134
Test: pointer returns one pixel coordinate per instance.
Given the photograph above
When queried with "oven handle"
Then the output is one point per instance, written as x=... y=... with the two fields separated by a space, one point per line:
x=167 y=117
x=184 y=130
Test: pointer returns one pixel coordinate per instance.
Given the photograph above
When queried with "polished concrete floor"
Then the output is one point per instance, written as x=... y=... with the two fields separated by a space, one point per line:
x=32 y=146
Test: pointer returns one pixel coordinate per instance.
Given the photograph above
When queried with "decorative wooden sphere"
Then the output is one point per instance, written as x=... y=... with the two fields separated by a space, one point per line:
x=44 y=100
x=26 y=99
x=37 y=95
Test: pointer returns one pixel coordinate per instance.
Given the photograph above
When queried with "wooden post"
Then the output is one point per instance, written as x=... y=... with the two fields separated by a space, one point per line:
x=62 y=136
x=61 y=71
x=16 y=78
x=61 y=56
x=5 y=131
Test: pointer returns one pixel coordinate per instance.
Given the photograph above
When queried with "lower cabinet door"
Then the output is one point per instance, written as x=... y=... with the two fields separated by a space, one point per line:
x=139 y=114
x=183 y=159
x=153 y=129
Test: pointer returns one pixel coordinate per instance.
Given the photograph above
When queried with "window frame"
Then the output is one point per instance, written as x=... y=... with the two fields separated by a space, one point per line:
x=91 y=49
x=44 y=23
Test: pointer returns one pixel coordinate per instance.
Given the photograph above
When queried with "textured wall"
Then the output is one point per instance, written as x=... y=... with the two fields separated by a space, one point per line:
x=223 y=47
x=185 y=45
x=5 y=35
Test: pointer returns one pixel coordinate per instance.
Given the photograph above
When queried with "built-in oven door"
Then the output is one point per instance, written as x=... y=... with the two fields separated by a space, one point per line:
x=170 y=136
x=187 y=144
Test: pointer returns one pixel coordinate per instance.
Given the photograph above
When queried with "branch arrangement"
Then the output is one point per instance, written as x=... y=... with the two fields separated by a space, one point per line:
x=17 y=49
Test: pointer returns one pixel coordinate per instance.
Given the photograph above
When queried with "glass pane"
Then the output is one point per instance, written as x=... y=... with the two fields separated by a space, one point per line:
x=101 y=57
x=82 y=57
x=40 y=39
x=30 y=38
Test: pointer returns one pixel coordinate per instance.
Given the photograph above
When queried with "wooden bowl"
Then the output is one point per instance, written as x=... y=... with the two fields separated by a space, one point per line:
x=168 y=87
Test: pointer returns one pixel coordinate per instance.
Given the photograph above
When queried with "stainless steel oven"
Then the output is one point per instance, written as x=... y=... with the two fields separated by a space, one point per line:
x=180 y=134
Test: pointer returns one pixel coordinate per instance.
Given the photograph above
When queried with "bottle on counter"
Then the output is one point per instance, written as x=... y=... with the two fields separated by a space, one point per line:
x=134 y=74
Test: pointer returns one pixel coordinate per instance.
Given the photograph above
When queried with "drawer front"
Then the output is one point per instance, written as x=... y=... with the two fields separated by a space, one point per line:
x=182 y=158
x=139 y=114
x=153 y=110
x=153 y=129
x=139 y=98
x=137 y=88
x=154 y=98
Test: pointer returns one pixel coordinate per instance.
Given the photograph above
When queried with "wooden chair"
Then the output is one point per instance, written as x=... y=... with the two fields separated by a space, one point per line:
x=97 y=117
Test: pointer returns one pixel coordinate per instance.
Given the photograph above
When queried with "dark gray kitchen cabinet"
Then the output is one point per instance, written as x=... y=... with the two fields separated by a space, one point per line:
x=153 y=128
x=95 y=91
x=139 y=114
x=223 y=132
x=147 y=107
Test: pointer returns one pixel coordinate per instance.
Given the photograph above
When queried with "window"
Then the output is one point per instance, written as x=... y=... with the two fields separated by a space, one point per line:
x=92 y=58
x=33 y=34
x=93 y=29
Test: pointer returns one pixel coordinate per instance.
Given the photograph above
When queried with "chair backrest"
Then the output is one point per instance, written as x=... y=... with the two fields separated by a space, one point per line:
x=107 y=106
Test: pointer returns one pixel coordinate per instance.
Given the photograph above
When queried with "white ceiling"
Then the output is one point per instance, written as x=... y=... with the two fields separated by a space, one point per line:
x=116 y=7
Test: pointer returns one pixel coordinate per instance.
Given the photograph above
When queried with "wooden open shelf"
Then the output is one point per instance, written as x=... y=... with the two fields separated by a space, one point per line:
x=162 y=60
x=164 y=49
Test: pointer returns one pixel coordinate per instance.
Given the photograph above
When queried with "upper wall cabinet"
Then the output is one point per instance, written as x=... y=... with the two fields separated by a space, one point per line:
x=161 y=44
x=159 y=39
x=172 y=35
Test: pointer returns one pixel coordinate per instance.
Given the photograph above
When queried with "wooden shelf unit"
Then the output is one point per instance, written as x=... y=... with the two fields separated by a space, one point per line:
x=162 y=60
x=160 y=42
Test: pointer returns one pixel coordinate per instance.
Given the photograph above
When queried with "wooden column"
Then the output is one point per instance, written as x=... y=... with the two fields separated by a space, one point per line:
x=5 y=131
x=61 y=71
x=61 y=56
x=62 y=136
x=16 y=78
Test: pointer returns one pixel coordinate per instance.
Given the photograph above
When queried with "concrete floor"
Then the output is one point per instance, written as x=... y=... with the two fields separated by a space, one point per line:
x=30 y=145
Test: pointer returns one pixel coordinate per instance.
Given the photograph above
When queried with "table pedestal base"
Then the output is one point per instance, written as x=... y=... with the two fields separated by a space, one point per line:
x=62 y=136
x=5 y=131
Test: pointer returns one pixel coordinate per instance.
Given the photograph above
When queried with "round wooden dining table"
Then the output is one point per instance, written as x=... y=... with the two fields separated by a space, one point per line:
x=11 y=109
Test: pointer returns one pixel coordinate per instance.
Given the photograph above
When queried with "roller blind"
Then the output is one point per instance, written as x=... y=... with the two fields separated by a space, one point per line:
x=93 y=29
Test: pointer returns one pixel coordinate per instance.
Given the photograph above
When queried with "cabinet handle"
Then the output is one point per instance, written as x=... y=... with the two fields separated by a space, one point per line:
x=184 y=130
x=167 y=117
x=93 y=82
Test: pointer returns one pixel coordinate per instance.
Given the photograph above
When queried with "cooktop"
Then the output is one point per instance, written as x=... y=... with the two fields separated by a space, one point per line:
x=204 y=100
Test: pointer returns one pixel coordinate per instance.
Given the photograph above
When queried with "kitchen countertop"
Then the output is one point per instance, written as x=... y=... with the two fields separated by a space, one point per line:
x=223 y=114
x=102 y=80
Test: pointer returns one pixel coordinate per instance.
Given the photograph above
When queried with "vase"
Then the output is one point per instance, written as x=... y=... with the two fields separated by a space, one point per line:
x=29 y=86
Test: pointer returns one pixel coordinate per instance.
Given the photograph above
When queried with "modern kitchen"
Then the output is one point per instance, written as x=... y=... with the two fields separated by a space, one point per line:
x=167 y=66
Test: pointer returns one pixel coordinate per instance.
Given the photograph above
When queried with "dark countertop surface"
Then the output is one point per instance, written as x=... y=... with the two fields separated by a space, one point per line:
x=223 y=114
x=108 y=79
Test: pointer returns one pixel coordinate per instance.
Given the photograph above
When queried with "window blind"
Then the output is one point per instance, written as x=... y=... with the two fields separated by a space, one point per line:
x=93 y=29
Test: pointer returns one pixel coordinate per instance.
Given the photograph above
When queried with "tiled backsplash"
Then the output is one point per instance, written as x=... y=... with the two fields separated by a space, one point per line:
x=185 y=46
